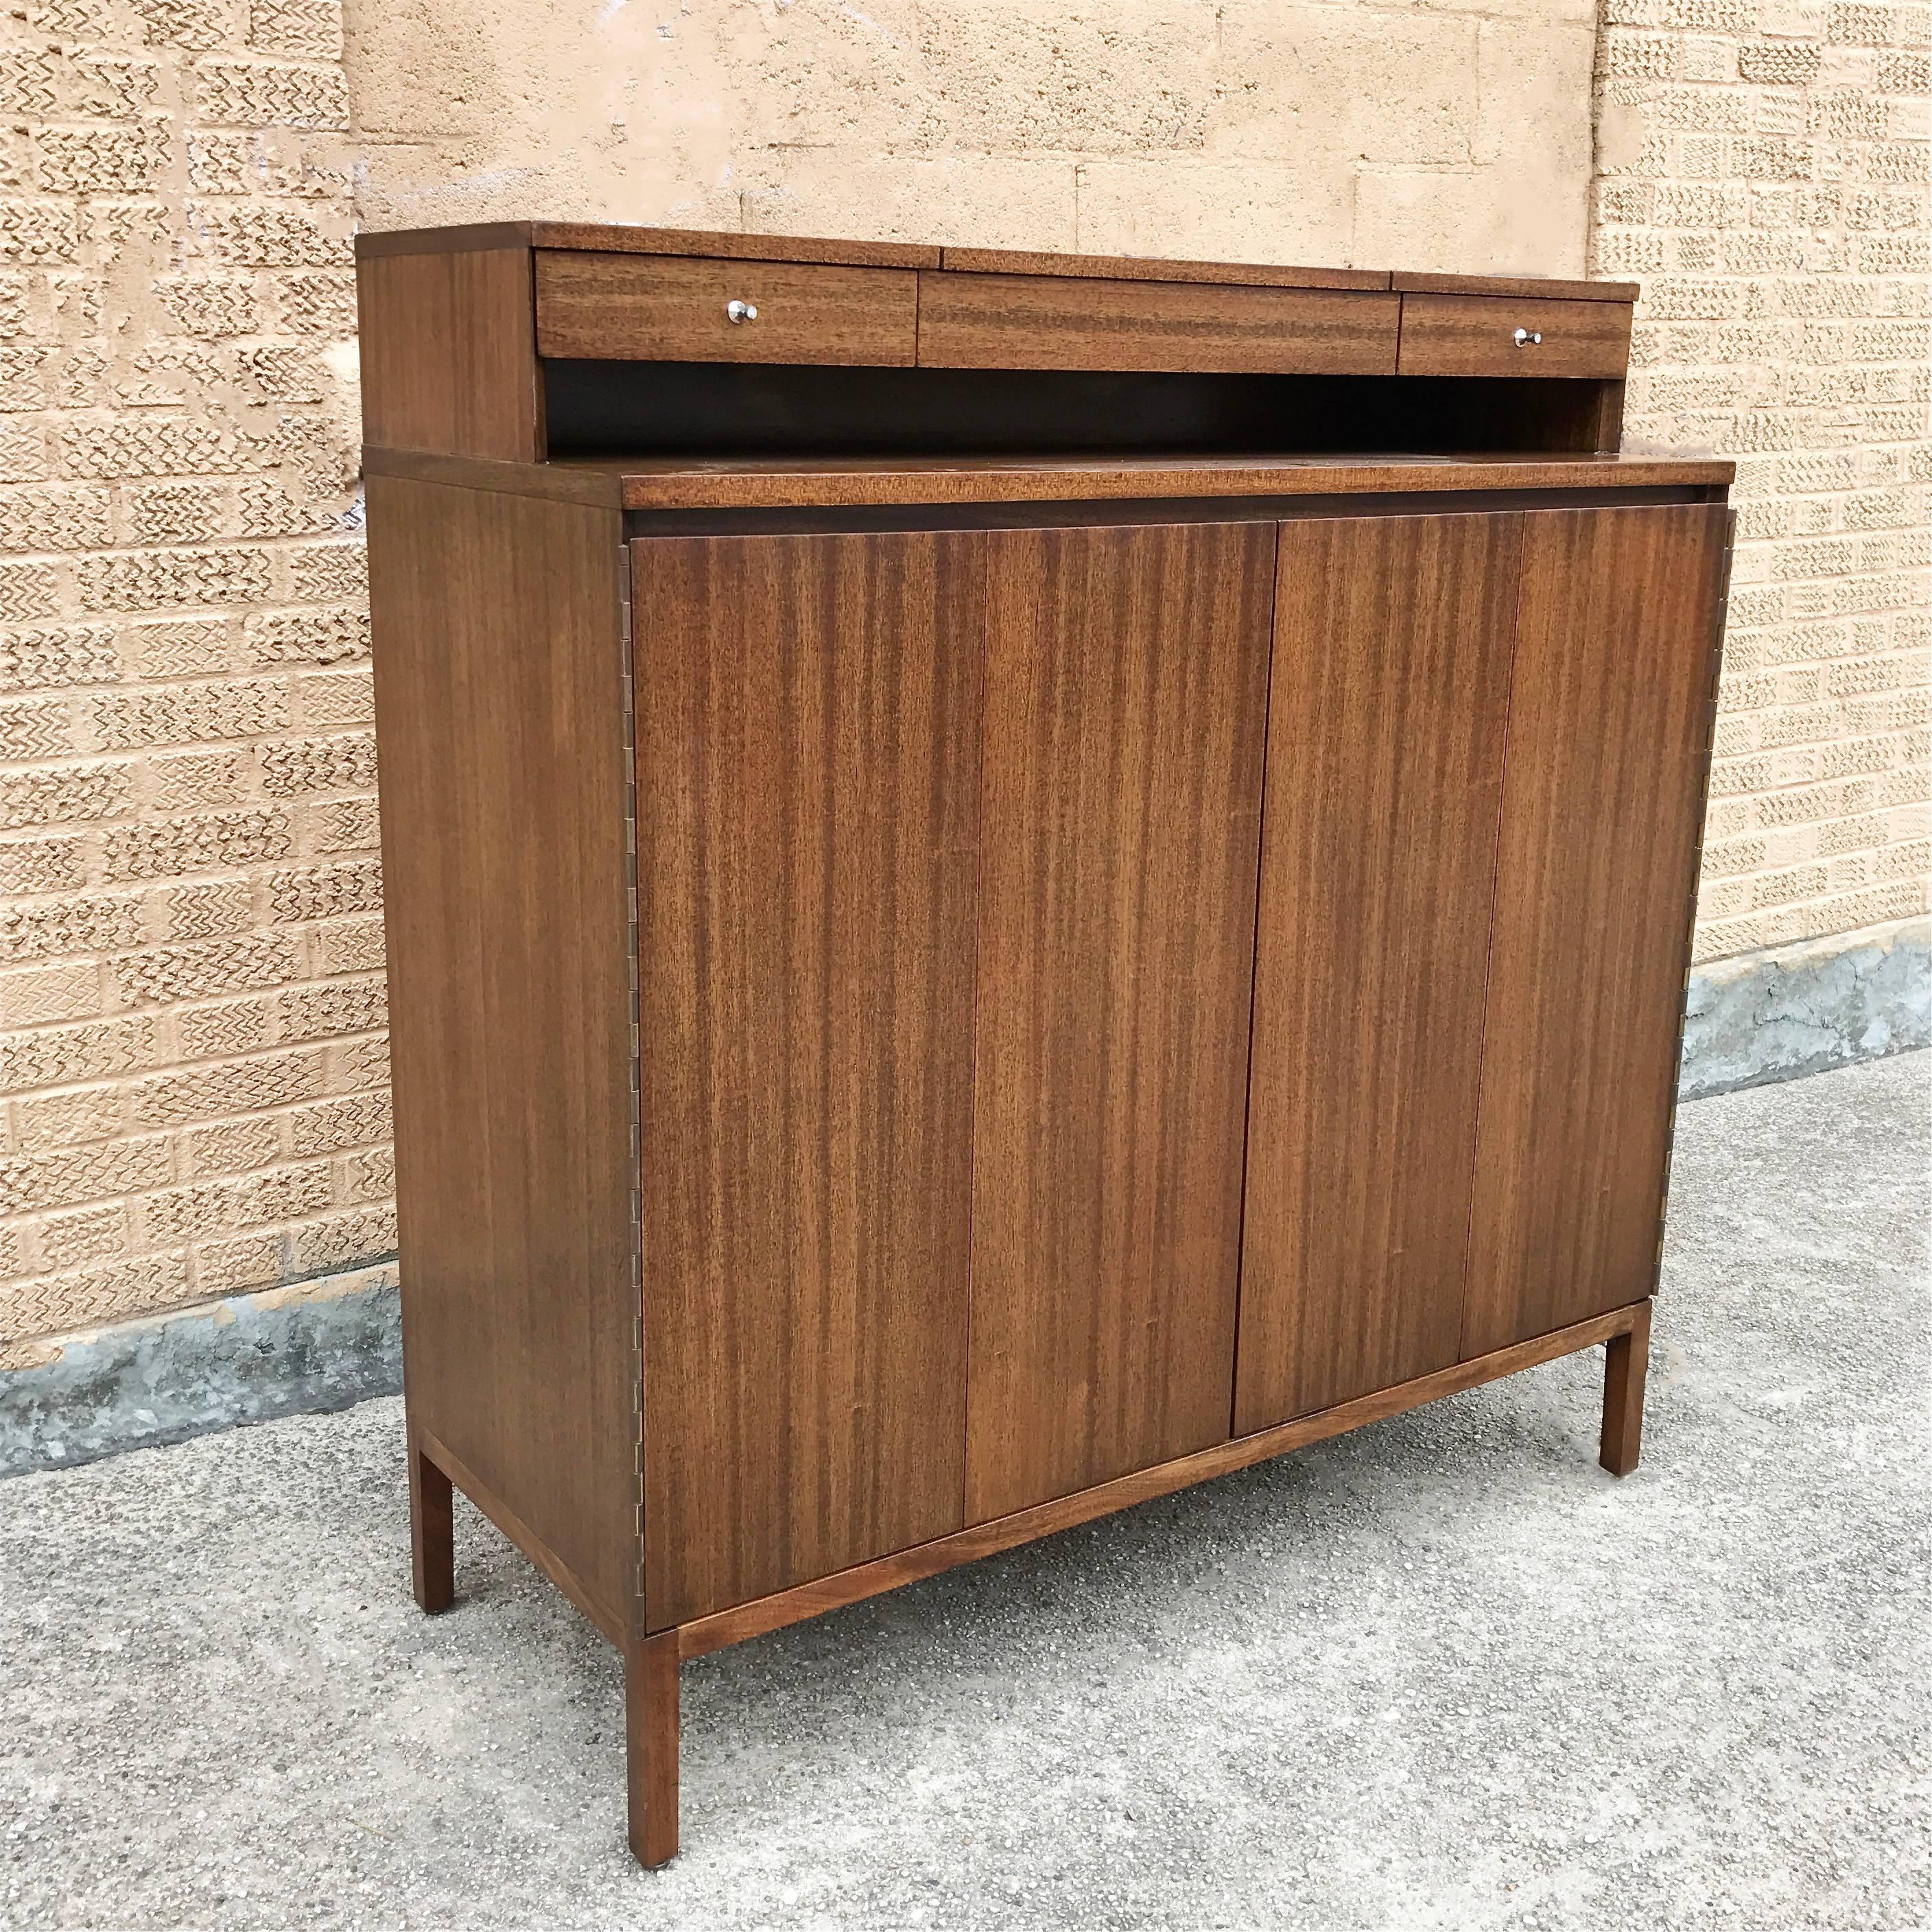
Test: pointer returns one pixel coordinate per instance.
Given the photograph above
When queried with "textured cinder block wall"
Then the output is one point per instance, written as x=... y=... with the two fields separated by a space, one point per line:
x=192 y=1098
x=1364 y=132
x=192 y=1064
x=1762 y=170
x=191 y=1054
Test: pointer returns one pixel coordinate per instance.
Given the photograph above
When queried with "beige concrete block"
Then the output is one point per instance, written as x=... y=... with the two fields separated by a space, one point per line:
x=982 y=201
x=817 y=73
x=41 y=993
x=1259 y=211
x=1324 y=87
x=1105 y=77
x=617 y=178
x=1473 y=222
x=1530 y=79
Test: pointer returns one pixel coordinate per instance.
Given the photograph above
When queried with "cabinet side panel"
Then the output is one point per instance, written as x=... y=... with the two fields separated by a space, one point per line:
x=1602 y=799
x=449 y=355
x=1126 y=687
x=1386 y=718
x=499 y=709
x=808 y=761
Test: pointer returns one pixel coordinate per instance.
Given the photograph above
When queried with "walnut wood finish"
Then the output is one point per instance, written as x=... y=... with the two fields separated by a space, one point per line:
x=1474 y=335
x=449 y=357
x=1386 y=717
x=741 y=483
x=1062 y=838
x=1138 y=268
x=625 y=237
x=1626 y=1362
x=644 y=308
x=1603 y=796
x=613 y=1620
x=808 y=754
x=986 y=1539
x=1536 y=287
x=499 y=702
x=650 y=1753
x=1126 y=687
x=432 y=1531
x=1047 y=322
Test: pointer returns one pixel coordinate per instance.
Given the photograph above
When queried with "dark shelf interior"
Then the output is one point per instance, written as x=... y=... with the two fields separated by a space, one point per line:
x=726 y=409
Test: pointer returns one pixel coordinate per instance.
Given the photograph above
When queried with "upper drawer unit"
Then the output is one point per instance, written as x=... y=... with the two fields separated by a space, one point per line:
x=1502 y=335
x=684 y=309
x=969 y=321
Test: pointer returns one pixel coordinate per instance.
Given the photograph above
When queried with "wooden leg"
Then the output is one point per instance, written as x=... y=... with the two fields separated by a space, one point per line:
x=432 y=1531
x=1626 y=1357
x=650 y=1733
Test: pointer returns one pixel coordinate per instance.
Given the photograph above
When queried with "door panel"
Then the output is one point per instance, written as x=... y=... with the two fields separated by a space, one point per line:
x=1386 y=718
x=1610 y=736
x=1126 y=690
x=807 y=757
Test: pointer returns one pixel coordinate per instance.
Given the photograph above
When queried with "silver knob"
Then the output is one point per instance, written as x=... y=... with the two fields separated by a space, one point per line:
x=1528 y=338
x=745 y=311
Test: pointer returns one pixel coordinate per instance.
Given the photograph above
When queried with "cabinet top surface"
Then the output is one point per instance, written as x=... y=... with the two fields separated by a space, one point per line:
x=625 y=239
x=661 y=483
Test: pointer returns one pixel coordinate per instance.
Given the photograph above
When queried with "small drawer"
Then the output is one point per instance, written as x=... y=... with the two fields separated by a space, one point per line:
x=678 y=309
x=968 y=321
x=1503 y=335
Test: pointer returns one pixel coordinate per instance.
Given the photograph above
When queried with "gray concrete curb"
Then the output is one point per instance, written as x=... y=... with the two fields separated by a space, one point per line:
x=313 y=1345
x=1799 y=1009
x=1760 y=1017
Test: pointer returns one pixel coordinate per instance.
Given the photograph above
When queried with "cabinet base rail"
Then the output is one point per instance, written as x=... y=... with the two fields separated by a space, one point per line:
x=651 y=1657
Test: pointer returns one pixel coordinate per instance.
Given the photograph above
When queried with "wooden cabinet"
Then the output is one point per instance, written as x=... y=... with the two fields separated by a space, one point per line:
x=1127 y=696
x=808 y=777
x=1387 y=713
x=941 y=991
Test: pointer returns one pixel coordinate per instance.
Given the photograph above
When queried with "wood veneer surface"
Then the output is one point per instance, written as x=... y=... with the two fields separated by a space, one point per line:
x=730 y=245
x=1609 y=743
x=1050 y=322
x=449 y=358
x=670 y=308
x=1145 y=269
x=779 y=481
x=807 y=759
x=1243 y=1452
x=1386 y=717
x=1125 y=689
x=1474 y=335
x=499 y=702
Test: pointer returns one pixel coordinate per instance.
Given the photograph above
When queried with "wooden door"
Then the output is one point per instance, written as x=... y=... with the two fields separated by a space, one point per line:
x=808 y=729
x=1125 y=689
x=1609 y=746
x=1386 y=718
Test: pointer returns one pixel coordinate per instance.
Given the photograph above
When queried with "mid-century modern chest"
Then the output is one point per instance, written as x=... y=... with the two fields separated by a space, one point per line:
x=1012 y=881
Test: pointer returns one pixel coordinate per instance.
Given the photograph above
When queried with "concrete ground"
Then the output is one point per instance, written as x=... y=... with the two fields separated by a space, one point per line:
x=1443 y=1673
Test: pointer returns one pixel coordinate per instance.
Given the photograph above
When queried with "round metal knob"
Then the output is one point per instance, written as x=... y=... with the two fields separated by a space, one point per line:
x=745 y=311
x=1528 y=338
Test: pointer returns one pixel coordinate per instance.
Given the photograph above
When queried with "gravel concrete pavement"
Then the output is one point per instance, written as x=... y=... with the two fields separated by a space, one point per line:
x=1443 y=1673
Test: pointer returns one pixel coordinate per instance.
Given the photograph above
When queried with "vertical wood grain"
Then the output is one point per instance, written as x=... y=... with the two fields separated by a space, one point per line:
x=651 y=1747
x=1603 y=800
x=1127 y=684
x=808 y=761
x=500 y=700
x=1626 y=1364
x=432 y=1531
x=1393 y=638
x=449 y=354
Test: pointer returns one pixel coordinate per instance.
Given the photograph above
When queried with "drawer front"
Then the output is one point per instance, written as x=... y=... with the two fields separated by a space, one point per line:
x=1049 y=321
x=679 y=309
x=1476 y=335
